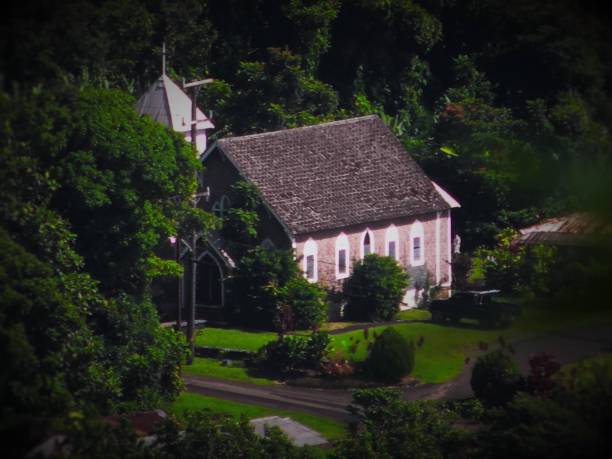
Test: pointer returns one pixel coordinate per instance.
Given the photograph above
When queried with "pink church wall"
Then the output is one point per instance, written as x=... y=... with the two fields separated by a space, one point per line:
x=438 y=268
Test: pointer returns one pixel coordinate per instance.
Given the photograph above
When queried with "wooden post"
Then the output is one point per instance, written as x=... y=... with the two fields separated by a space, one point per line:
x=194 y=237
x=179 y=290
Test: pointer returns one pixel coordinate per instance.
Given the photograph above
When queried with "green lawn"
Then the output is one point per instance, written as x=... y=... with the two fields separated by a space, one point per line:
x=231 y=338
x=441 y=356
x=214 y=369
x=188 y=401
x=413 y=314
x=445 y=347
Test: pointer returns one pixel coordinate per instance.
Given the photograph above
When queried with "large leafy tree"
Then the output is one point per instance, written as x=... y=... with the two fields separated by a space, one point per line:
x=271 y=93
x=121 y=181
x=89 y=191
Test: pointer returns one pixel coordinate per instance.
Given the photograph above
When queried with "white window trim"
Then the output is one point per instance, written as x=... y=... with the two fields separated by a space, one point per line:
x=342 y=243
x=221 y=206
x=417 y=230
x=310 y=248
x=392 y=235
x=372 y=244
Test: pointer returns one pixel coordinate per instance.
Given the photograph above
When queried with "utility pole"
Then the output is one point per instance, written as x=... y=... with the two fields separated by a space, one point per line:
x=194 y=85
x=179 y=290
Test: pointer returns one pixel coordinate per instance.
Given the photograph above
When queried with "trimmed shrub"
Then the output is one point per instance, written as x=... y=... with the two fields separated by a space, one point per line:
x=495 y=378
x=374 y=289
x=307 y=303
x=391 y=357
x=291 y=353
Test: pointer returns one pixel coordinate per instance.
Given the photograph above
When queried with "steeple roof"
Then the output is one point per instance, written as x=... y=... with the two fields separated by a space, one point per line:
x=167 y=104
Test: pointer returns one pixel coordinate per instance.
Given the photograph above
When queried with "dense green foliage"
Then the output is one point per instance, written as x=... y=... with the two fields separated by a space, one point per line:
x=268 y=292
x=390 y=427
x=374 y=289
x=83 y=210
x=253 y=288
x=570 y=418
x=267 y=289
x=514 y=269
x=307 y=303
x=391 y=357
x=119 y=180
x=290 y=353
x=201 y=435
x=495 y=378
x=540 y=428
x=240 y=225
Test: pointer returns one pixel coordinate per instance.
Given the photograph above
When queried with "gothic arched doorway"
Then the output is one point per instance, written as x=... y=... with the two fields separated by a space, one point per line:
x=209 y=277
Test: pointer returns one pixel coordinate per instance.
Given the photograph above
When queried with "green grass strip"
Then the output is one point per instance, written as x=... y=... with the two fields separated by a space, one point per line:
x=188 y=401
x=413 y=314
x=232 y=338
x=214 y=369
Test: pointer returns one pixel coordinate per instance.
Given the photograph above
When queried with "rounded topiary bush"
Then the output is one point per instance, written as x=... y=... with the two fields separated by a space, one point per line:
x=375 y=289
x=307 y=302
x=495 y=378
x=391 y=357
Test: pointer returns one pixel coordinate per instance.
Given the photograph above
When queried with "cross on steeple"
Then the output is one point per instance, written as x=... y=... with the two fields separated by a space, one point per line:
x=164 y=58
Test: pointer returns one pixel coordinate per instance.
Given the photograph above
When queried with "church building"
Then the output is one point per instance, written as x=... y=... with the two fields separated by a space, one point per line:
x=333 y=193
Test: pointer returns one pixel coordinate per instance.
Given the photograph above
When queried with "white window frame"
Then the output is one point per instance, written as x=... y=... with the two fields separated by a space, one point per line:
x=392 y=235
x=310 y=248
x=417 y=231
x=372 y=244
x=342 y=243
x=221 y=206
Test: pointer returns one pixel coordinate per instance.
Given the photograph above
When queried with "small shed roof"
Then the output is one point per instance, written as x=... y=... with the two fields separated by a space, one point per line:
x=167 y=104
x=576 y=229
x=333 y=175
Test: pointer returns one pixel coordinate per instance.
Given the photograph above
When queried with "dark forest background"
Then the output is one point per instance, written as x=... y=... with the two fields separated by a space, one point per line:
x=506 y=104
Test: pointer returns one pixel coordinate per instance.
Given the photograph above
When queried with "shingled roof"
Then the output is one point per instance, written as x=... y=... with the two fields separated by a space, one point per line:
x=334 y=175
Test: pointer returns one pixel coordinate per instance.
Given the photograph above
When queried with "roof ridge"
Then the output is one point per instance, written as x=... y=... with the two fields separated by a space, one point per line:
x=329 y=123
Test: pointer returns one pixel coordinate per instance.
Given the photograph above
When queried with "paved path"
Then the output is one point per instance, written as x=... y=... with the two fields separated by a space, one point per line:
x=566 y=347
x=322 y=402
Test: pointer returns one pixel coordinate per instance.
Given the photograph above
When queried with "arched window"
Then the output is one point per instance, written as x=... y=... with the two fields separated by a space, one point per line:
x=267 y=244
x=367 y=243
x=342 y=256
x=417 y=244
x=391 y=242
x=221 y=206
x=310 y=261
